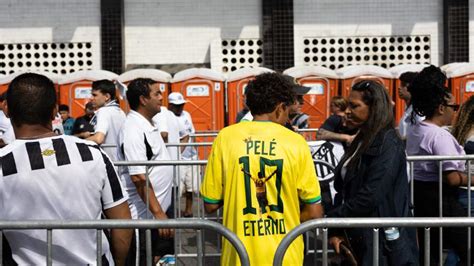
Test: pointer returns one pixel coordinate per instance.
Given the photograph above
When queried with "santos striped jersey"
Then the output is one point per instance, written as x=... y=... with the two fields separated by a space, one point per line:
x=260 y=171
x=56 y=178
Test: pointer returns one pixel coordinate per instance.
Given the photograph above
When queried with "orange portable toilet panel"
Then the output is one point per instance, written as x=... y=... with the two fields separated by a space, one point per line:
x=5 y=80
x=236 y=83
x=462 y=82
x=203 y=88
x=75 y=89
x=396 y=72
x=161 y=77
x=352 y=74
x=323 y=83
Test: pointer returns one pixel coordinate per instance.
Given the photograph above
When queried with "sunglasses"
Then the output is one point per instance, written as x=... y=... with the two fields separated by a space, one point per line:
x=454 y=106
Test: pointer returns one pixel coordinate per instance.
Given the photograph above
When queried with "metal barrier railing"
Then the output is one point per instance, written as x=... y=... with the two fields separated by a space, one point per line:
x=375 y=224
x=440 y=158
x=197 y=224
x=309 y=134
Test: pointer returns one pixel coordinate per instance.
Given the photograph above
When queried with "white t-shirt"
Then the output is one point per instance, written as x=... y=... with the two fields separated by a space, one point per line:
x=405 y=126
x=57 y=124
x=141 y=141
x=56 y=178
x=166 y=121
x=186 y=128
x=247 y=117
x=108 y=120
x=6 y=129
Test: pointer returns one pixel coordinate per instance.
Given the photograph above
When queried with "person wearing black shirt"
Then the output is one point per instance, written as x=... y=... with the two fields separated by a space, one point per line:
x=82 y=127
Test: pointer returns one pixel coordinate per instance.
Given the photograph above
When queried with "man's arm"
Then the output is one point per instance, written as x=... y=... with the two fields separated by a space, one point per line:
x=98 y=138
x=154 y=206
x=184 y=139
x=164 y=135
x=120 y=238
x=324 y=134
x=311 y=211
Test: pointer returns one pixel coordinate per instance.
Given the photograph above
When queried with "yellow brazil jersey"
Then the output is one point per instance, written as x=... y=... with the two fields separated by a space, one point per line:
x=260 y=171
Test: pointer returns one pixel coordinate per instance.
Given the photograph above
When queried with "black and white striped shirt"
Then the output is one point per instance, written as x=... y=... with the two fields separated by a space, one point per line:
x=56 y=178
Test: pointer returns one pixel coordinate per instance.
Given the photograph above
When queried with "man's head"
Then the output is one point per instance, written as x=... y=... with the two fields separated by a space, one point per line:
x=63 y=111
x=270 y=93
x=405 y=80
x=103 y=92
x=176 y=103
x=89 y=109
x=144 y=96
x=31 y=99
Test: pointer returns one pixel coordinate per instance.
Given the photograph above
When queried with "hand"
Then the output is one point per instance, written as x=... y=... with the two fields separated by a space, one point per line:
x=164 y=232
x=335 y=241
x=349 y=139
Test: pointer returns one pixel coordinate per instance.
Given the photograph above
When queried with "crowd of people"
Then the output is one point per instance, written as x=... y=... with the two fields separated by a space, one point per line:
x=260 y=171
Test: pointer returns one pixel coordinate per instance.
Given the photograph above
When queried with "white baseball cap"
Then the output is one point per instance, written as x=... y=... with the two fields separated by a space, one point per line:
x=176 y=98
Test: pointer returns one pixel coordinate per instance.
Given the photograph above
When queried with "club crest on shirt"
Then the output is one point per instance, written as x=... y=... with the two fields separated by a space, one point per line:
x=48 y=152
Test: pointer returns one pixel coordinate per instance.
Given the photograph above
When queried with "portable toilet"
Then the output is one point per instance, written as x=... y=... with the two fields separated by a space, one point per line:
x=352 y=74
x=396 y=72
x=161 y=77
x=449 y=67
x=5 y=80
x=461 y=79
x=203 y=88
x=323 y=83
x=236 y=83
x=75 y=88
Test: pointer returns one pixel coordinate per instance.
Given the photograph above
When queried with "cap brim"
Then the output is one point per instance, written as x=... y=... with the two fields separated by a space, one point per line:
x=178 y=102
x=301 y=90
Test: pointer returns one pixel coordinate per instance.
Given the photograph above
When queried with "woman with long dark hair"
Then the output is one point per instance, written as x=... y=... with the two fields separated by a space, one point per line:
x=371 y=179
x=431 y=99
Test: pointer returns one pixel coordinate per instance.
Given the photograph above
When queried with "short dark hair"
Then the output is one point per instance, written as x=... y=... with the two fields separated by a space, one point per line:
x=266 y=91
x=428 y=91
x=407 y=77
x=105 y=86
x=63 y=107
x=31 y=99
x=138 y=87
x=340 y=102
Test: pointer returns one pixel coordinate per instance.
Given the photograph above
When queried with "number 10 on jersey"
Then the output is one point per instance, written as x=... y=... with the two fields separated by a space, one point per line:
x=260 y=184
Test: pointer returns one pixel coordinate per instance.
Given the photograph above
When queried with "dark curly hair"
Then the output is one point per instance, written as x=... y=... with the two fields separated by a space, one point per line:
x=464 y=122
x=428 y=91
x=138 y=87
x=407 y=77
x=266 y=91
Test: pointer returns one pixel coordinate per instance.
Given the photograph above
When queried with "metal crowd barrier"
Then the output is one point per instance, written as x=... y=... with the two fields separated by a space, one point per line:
x=196 y=224
x=375 y=224
x=310 y=134
x=468 y=158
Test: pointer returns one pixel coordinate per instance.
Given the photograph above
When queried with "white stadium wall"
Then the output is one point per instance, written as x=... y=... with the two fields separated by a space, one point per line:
x=67 y=34
x=175 y=32
x=471 y=31
x=181 y=31
x=375 y=19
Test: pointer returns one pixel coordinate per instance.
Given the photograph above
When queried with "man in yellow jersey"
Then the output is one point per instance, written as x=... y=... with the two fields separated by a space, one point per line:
x=260 y=172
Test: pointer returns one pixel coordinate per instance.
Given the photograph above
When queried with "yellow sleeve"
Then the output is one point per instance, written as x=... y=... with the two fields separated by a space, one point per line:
x=212 y=185
x=307 y=183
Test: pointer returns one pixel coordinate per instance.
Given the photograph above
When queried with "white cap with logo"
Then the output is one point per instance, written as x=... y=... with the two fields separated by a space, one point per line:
x=176 y=98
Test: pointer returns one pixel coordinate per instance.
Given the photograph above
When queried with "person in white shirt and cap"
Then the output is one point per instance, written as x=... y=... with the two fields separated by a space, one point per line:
x=189 y=174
